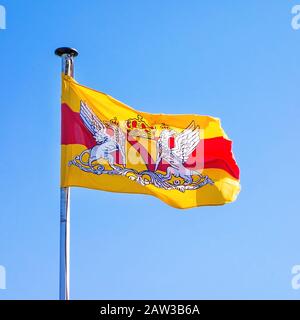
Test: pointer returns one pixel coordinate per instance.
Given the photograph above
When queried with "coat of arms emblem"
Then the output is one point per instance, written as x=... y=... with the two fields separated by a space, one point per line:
x=170 y=170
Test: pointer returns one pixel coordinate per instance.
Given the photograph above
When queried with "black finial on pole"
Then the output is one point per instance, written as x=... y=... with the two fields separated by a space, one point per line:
x=66 y=50
x=68 y=55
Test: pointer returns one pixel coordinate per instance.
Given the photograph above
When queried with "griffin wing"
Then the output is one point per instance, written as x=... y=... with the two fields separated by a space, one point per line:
x=186 y=142
x=91 y=121
x=118 y=136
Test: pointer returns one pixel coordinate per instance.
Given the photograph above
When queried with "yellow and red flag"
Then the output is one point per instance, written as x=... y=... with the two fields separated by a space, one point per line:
x=184 y=160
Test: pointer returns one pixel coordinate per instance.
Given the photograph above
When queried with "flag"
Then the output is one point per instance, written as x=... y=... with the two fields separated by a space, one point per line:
x=184 y=160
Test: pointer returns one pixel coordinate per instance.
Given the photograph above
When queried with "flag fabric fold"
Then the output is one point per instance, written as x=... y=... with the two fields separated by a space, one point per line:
x=184 y=160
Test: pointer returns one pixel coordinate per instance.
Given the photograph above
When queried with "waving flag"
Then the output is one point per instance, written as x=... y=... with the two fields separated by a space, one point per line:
x=184 y=160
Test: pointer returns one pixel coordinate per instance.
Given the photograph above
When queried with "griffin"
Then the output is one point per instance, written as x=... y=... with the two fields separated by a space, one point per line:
x=185 y=143
x=106 y=143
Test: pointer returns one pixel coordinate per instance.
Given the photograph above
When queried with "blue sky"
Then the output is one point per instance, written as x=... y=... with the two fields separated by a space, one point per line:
x=235 y=60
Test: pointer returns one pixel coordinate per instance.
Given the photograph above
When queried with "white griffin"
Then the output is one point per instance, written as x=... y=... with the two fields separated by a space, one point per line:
x=106 y=143
x=185 y=143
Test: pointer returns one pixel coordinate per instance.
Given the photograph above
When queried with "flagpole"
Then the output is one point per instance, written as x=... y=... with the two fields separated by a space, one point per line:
x=67 y=55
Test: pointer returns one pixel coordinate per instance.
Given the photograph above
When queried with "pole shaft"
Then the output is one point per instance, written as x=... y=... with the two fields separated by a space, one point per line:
x=67 y=55
x=64 y=269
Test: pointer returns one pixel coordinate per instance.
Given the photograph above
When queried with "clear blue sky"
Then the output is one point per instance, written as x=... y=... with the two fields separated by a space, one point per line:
x=235 y=60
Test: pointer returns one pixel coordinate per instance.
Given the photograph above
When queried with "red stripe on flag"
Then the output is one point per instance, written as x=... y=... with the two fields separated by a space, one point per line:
x=218 y=154
x=73 y=130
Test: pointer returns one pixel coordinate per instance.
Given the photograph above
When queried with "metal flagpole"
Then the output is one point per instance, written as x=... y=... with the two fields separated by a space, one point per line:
x=67 y=55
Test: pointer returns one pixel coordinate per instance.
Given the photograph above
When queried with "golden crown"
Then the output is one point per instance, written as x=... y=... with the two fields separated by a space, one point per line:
x=137 y=127
x=164 y=126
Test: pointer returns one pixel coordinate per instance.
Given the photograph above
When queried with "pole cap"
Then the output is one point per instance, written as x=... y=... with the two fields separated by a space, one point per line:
x=66 y=50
